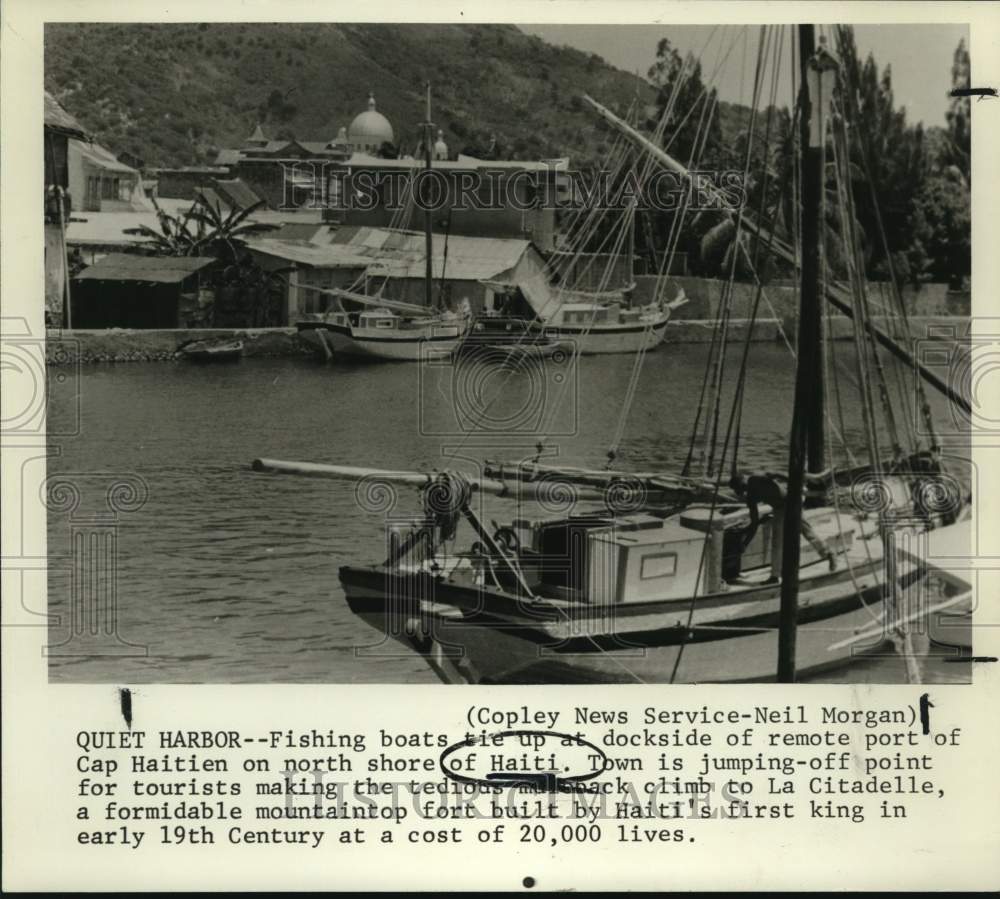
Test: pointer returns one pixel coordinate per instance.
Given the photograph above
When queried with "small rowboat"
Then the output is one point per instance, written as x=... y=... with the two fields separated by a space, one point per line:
x=212 y=350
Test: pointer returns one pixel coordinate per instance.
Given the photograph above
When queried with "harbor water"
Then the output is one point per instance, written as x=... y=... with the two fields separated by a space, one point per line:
x=223 y=575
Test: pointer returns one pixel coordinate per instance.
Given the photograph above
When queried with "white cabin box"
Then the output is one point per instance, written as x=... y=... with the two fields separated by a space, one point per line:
x=647 y=564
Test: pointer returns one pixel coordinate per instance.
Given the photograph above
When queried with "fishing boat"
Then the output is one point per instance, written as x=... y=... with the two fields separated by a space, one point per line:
x=717 y=575
x=603 y=328
x=209 y=350
x=593 y=322
x=379 y=329
x=510 y=337
x=382 y=330
x=604 y=594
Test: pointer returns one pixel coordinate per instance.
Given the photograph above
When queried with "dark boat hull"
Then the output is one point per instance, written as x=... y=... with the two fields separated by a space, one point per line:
x=471 y=634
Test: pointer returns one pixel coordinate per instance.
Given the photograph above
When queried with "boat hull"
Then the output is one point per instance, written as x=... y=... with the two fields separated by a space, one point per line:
x=600 y=340
x=368 y=344
x=470 y=638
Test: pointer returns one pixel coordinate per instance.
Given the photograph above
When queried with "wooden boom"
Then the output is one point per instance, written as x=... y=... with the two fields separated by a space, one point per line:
x=515 y=490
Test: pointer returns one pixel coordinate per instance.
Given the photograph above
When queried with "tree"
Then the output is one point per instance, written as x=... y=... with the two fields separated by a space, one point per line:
x=208 y=230
x=958 y=152
x=683 y=99
x=225 y=231
x=686 y=115
x=178 y=235
x=893 y=159
x=945 y=208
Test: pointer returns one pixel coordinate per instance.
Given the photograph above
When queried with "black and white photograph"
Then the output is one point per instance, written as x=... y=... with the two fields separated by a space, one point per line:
x=508 y=354
x=629 y=368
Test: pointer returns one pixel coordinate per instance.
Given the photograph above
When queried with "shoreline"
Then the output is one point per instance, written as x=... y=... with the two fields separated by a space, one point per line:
x=121 y=345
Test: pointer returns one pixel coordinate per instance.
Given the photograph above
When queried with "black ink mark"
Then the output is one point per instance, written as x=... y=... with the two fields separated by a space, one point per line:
x=980 y=92
x=544 y=780
x=547 y=781
x=125 y=696
x=925 y=712
x=972 y=659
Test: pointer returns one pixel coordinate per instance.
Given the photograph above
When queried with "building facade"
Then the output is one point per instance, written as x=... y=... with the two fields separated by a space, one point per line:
x=99 y=182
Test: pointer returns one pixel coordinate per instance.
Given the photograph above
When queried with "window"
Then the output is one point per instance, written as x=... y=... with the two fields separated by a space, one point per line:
x=658 y=565
x=383 y=323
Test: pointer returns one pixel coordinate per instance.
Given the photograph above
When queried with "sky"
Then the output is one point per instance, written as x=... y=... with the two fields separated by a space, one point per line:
x=920 y=56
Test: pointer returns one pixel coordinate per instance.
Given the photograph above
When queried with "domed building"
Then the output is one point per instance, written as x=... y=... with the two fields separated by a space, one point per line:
x=370 y=130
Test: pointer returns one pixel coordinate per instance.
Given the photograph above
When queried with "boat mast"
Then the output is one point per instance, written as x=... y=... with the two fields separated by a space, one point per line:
x=428 y=218
x=807 y=415
x=811 y=313
x=835 y=295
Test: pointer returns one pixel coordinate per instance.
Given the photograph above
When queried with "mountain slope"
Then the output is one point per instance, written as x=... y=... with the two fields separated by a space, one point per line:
x=174 y=94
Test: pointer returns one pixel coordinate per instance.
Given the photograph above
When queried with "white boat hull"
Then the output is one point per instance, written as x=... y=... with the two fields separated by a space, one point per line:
x=610 y=339
x=369 y=343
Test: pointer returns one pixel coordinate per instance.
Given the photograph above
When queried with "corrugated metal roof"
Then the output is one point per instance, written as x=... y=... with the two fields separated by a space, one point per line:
x=161 y=269
x=107 y=228
x=305 y=231
x=304 y=253
x=401 y=254
x=212 y=198
x=58 y=119
x=100 y=156
x=237 y=191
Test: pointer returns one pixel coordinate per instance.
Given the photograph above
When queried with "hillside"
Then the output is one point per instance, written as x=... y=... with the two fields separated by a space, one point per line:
x=175 y=94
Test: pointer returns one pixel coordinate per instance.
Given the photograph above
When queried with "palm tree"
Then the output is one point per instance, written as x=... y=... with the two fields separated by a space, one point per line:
x=203 y=230
x=226 y=231
x=207 y=230
x=175 y=237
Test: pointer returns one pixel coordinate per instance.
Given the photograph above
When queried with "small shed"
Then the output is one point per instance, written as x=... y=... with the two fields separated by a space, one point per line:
x=129 y=291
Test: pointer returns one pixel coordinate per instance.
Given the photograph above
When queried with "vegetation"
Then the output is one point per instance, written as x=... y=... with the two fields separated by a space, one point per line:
x=174 y=94
x=246 y=294
x=204 y=230
x=910 y=186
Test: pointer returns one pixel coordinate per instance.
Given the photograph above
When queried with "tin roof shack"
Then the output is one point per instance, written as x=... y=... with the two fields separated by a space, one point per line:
x=460 y=265
x=391 y=263
x=126 y=291
x=307 y=271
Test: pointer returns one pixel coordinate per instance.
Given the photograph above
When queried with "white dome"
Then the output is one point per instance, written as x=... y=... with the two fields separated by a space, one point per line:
x=370 y=130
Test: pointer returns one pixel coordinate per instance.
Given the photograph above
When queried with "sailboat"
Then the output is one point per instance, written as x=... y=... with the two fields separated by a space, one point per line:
x=376 y=328
x=591 y=321
x=600 y=324
x=383 y=330
x=656 y=577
